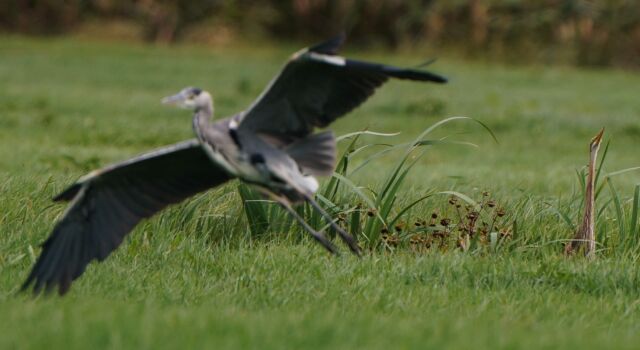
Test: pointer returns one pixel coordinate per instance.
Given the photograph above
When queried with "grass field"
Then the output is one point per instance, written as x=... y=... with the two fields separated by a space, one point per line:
x=196 y=277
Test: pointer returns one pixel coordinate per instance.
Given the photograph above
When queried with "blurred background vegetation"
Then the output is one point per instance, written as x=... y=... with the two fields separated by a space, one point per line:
x=585 y=33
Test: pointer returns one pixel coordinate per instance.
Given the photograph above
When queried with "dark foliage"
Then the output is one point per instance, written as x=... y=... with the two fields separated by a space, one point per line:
x=577 y=31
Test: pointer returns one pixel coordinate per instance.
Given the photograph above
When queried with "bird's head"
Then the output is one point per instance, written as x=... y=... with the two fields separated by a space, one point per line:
x=189 y=98
x=595 y=142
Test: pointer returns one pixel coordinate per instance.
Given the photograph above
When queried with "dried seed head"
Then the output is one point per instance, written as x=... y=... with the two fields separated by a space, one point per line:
x=418 y=224
x=445 y=222
x=434 y=216
x=485 y=194
x=371 y=212
x=384 y=230
x=453 y=200
x=398 y=227
x=391 y=240
x=491 y=203
x=500 y=212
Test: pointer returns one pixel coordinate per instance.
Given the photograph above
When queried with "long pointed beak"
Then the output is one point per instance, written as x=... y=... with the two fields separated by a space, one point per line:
x=174 y=100
x=598 y=138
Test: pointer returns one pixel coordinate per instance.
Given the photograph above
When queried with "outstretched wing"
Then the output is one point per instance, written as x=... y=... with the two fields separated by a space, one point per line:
x=316 y=87
x=108 y=203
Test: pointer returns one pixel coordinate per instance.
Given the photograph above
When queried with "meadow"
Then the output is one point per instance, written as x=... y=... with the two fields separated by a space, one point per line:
x=202 y=274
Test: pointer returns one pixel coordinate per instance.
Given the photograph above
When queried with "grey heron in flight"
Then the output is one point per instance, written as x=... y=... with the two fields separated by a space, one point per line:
x=270 y=145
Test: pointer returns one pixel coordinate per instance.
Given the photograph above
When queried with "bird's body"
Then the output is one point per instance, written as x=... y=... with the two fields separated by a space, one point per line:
x=270 y=145
x=251 y=158
x=585 y=234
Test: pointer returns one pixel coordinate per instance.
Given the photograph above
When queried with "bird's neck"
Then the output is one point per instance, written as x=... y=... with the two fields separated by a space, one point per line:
x=201 y=119
x=589 y=208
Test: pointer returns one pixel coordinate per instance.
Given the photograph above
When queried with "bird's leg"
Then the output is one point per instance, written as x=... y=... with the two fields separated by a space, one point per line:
x=318 y=236
x=346 y=237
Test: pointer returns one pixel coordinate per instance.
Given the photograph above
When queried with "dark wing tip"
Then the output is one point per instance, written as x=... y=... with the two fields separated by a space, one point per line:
x=396 y=72
x=36 y=285
x=413 y=74
x=26 y=284
x=331 y=46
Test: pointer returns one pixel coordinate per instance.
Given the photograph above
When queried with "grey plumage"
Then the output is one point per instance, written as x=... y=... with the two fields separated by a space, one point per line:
x=108 y=203
x=270 y=145
x=315 y=154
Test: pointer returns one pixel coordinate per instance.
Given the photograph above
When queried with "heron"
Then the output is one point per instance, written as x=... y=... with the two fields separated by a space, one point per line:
x=585 y=235
x=271 y=146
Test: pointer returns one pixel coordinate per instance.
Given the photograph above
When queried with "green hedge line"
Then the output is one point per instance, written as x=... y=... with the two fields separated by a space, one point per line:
x=597 y=33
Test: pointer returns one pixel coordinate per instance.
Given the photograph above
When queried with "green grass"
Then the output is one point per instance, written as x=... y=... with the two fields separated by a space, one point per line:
x=196 y=276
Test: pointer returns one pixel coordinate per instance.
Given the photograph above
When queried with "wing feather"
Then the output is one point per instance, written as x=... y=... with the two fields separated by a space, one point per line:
x=107 y=204
x=316 y=87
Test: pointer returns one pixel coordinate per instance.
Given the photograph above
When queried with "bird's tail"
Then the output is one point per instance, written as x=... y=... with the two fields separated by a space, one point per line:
x=315 y=154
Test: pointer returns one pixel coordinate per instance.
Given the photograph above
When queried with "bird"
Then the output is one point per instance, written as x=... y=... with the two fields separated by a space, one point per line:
x=271 y=145
x=585 y=235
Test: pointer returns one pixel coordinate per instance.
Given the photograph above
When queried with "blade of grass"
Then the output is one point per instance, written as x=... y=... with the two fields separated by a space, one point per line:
x=619 y=213
x=464 y=197
x=602 y=160
x=365 y=132
x=563 y=216
x=255 y=210
x=633 y=224
x=407 y=208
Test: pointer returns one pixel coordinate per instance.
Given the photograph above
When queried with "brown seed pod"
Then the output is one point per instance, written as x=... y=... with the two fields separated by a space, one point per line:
x=505 y=233
x=392 y=240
